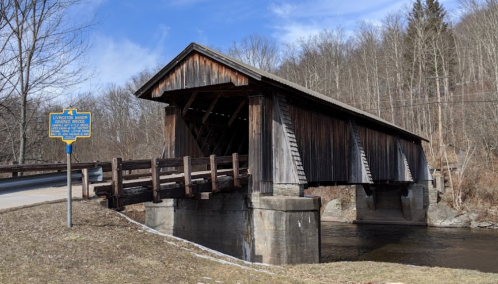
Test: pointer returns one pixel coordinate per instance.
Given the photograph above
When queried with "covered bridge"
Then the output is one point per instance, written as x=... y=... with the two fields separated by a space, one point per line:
x=295 y=138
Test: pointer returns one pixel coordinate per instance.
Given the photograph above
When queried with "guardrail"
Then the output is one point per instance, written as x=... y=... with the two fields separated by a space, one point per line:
x=122 y=177
x=115 y=192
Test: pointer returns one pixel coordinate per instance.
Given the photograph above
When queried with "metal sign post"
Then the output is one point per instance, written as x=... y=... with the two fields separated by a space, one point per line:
x=69 y=150
x=70 y=125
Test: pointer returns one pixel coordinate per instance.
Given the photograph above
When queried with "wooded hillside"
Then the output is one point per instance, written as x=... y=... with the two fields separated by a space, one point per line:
x=394 y=69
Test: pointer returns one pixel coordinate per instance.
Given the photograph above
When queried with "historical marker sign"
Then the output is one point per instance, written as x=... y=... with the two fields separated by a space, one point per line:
x=70 y=125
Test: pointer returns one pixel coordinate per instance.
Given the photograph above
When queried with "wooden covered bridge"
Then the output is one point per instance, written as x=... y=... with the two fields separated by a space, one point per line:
x=294 y=138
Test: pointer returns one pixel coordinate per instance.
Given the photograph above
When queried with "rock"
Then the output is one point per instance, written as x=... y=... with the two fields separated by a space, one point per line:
x=441 y=215
x=334 y=212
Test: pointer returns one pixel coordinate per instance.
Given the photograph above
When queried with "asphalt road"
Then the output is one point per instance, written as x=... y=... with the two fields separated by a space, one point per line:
x=17 y=198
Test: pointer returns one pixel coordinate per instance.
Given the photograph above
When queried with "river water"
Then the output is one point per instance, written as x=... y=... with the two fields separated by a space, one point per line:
x=475 y=249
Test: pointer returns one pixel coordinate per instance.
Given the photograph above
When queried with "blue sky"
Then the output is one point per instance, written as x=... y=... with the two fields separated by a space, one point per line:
x=133 y=35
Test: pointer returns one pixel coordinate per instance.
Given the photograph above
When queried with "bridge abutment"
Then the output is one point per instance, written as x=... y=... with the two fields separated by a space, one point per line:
x=401 y=203
x=285 y=230
x=268 y=229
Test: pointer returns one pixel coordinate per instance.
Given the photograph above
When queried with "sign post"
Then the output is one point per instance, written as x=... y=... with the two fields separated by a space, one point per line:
x=70 y=125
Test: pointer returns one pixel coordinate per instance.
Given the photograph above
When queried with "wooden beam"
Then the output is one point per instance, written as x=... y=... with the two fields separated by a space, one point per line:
x=214 y=173
x=237 y=110
x=230 y=143
x=14 y=174
x=403 y=172
x=235 y=162
x=424 y=171
x=85 y=184
x=359 y=170
x=106 y=190
x=117 y=182
x=156 y=184
x=210 y=108
x=189 y=103
x=179 y=192
x=187 y=166
x=260 y=144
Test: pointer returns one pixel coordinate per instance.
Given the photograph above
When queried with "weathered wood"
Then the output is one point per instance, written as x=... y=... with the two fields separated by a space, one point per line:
x=14 y=174
x=135 y=165
x=403 y=173
x=424 y=171
x=210 y=108
x=359 y=170
x=237 y=111
x=156 y=185
x=179 y=191
x=189 y=103
x=106 y=190
x=286 y=158
x=85 y=184
x=260 y=145
x=187 y=171
x=194 y=72
x=179 y=140
x=214 y=173
x=145 y=175
x=235 y=163
x=117 y=182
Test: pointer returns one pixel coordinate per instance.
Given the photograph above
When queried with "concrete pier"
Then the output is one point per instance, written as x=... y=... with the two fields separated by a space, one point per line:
x=395 y=203
x=268 y=229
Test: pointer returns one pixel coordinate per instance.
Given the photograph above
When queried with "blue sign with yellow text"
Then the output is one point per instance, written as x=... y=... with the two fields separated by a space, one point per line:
x=70 y=125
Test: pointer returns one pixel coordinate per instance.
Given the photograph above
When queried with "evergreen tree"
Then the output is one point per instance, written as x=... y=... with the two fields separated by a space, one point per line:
x=429 y=43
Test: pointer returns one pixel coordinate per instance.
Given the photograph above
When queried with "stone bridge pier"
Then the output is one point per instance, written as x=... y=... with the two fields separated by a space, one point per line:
x=405 y=204
x=268 y=229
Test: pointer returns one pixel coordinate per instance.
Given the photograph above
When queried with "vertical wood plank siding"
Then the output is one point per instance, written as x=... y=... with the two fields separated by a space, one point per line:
x=260 y=144
x=195 y=71
x=380 y=149
x=412 y=153
x=179 y=141
x=323 y=145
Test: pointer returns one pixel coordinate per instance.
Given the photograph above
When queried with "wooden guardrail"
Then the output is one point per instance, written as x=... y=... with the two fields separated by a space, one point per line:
x=118 y=197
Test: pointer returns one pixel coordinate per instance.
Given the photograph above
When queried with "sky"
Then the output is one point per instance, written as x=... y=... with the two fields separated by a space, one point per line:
x=130 y=36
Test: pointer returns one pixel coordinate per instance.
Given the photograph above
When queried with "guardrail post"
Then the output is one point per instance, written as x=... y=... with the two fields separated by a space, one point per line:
x=156 y=184
x=14 y=174
x=214 y=173
x=117 y=183
x=235 y=164
x=85 y=184
x=187 y=171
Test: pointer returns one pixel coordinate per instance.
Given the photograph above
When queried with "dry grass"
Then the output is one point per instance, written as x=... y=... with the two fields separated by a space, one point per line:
x=104 y=247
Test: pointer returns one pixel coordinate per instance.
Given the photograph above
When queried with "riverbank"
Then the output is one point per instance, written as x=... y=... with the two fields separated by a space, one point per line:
x=106 y=247
x=339 y=205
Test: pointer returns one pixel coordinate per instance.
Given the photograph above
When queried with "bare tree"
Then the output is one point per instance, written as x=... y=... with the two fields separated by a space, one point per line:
x=258 y=51
x=45 y=47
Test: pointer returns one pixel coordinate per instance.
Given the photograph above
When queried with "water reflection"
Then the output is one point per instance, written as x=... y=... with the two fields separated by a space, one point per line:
x=445 y=247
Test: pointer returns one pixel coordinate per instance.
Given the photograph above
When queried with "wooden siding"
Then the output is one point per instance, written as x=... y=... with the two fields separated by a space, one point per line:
x=381 y=151
x=359 y=170
x=179 y=141
x=260 y=144
x=196 y=71
x=287 y=165
x=412 y=154
x=323 y=145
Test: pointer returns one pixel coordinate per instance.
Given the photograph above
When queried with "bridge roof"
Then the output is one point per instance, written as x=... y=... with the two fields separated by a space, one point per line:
x=146 y=91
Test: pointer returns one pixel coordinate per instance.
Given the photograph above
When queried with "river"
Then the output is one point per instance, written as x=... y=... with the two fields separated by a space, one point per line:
x=475 y=249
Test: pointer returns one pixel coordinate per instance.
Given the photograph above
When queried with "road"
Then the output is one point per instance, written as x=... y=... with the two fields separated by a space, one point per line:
x=17 y=198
